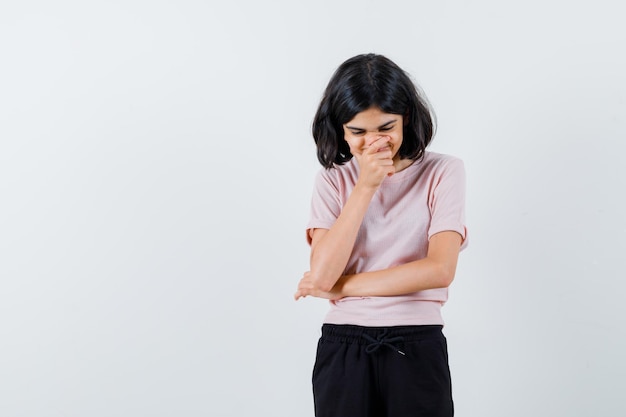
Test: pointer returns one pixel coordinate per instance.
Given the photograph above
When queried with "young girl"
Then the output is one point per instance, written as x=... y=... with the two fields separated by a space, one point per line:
x=386 y=227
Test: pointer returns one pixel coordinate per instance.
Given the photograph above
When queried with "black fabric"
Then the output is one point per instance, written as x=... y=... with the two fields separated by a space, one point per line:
x=398 y=371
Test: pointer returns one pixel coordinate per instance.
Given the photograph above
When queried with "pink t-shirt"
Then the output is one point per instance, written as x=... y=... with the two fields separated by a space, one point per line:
x=409 y=207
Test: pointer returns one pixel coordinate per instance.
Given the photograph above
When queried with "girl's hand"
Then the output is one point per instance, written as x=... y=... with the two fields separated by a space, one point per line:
x=306 y=286
x=375 y=162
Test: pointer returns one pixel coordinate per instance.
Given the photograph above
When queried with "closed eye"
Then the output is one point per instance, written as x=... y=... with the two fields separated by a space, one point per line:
x=385 y=127
x=357 y=132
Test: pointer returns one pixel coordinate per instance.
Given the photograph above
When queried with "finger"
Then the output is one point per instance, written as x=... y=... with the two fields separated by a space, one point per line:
x=382 y=158
x=373 y=140
x=377 y=145
x=380 y=143
x=384 y=154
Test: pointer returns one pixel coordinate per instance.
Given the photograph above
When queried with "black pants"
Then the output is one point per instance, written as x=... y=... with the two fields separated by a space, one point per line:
x=398 y=371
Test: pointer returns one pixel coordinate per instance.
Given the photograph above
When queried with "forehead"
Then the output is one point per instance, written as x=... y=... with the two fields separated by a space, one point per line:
x=372 y=117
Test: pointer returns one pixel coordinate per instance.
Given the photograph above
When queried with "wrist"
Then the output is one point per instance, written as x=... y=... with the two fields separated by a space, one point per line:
x=365 y=188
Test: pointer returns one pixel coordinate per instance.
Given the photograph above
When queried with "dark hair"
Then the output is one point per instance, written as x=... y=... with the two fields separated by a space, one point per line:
x=362 y=82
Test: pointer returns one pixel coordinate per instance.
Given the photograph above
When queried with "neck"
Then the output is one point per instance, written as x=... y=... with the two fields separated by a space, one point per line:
x=401 y=164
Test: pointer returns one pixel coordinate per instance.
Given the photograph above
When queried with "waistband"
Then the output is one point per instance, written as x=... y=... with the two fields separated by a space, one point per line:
x=349 y=333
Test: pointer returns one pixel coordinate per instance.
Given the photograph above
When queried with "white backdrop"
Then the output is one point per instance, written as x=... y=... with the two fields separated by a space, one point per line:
x=156 y=166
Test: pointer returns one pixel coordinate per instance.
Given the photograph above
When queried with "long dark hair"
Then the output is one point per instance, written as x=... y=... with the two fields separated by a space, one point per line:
x=366 y=81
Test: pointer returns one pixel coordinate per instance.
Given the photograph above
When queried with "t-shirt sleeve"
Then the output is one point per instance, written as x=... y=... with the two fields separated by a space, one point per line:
x=447 y=200
x=325 y=203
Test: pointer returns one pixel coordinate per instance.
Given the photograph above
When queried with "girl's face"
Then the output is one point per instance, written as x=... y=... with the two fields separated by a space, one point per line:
x=371 y=124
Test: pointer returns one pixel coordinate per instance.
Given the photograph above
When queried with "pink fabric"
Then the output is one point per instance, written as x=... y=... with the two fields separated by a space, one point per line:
x=409 y=207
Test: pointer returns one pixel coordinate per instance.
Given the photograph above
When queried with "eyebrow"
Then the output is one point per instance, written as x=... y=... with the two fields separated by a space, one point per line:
x=379 y=127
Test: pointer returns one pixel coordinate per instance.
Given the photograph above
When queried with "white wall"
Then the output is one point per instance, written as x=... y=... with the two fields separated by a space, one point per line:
x=155 y=172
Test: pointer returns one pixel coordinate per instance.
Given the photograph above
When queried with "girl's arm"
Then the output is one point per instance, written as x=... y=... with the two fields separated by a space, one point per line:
x=436 y=270
x=331 y=248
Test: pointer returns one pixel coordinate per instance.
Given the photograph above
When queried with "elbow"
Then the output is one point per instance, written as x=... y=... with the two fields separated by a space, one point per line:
x=446 y=280
x=321 y=282
x=324 y=275
x=446 y=275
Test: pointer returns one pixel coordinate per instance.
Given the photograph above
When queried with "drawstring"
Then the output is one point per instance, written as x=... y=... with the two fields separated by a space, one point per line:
x=377 y=343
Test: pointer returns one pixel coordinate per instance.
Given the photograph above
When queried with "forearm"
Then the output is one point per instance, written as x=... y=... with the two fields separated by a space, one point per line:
x=403 y=279
x=436 y=270
x=330 y=255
